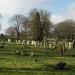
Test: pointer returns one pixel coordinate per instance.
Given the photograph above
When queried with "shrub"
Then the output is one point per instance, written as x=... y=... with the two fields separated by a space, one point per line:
x=60 y=65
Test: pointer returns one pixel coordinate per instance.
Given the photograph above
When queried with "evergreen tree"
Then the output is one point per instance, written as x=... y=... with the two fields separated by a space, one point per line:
x=37 y=27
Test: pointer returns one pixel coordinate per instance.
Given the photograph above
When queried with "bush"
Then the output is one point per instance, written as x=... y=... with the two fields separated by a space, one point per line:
x=60 y=66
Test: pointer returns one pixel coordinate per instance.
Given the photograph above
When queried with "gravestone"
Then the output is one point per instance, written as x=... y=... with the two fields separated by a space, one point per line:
x=9 y=40
x=70 y=45
x=23 y=42
x=31 y=54
x=27 y=42
x=17 y=52
x=66 y=45
x=16 y=41
x=35 y=43
x=44 y=44
x=19 y=41
x=32 y=42
x=50 y=45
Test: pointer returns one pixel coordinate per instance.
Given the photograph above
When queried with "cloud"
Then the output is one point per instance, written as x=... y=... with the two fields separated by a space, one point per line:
x=19 y=6
x=70 y=12
x=57 y=18
x=10 y=7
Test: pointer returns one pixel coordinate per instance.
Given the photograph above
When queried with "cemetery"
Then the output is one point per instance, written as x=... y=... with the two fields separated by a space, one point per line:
x=28 y=57
x=37 y=37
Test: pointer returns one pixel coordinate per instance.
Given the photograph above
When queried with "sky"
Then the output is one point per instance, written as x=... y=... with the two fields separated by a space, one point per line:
x=60 y=9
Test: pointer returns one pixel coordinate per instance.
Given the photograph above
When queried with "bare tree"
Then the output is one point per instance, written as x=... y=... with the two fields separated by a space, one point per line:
x=45 y=17
x=17 y=21
x=11 y=31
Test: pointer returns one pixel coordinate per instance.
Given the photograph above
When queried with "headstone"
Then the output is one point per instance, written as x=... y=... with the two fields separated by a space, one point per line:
x=16 y=41
x=49 y=45
x=9 y=40
x=22 y=53
x=32 y=42
x=38 y=43
x=41 y=44
x=44 y=44
x=66 y=45
x=23 y=42
x=19 y=41
x=31 y=54
x=28 y=42
x=70 y=45
x=35 y=43
x=17 y=52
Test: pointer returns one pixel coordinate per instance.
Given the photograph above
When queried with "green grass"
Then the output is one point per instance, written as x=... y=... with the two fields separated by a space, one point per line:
x=12 y=64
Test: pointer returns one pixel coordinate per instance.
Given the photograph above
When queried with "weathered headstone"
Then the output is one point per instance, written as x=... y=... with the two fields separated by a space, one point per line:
x=17 y=52
x=70 y=45
x=23 y=42
x=19 y=41
x=35 y=44
x=28 y=42
x=32 y=42
x=31 y=54
x=9 y=40
x=50 y=45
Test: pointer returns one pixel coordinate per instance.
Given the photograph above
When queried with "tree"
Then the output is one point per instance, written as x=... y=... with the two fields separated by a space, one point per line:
x=11 y=31
x=43 y=22
x=17 y=21
x=65 y=30
x=26 y=27
x=37 y=28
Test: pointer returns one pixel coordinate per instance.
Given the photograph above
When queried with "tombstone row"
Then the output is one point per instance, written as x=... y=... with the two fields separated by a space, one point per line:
x=50 y=44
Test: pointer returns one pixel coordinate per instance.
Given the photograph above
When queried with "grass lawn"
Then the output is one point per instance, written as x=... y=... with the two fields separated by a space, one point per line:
x=20 y=65
x=12 y=64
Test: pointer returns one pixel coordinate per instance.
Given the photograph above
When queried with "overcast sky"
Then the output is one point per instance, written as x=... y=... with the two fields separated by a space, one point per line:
x=61 y=9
